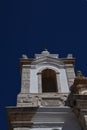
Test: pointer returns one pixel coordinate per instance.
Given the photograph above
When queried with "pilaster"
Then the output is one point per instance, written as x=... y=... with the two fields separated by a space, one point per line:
x=25 y=79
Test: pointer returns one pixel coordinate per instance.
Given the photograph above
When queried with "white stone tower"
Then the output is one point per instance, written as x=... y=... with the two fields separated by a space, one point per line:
x=42 y=101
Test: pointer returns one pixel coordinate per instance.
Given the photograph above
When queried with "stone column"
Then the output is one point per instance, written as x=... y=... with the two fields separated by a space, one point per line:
x=25 y=81
x=58 y=82
x=39 y=82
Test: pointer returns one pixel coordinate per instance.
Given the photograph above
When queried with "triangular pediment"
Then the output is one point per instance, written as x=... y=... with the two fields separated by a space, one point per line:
x=48 y=60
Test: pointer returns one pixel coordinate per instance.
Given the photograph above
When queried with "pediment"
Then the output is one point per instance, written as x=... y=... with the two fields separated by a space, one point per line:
x=48 y=60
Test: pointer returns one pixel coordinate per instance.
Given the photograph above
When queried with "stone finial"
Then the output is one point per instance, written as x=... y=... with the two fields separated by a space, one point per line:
x=69 y=56
x=24 y=56
x=45 y=49
x=79 y=74
x=45 y=52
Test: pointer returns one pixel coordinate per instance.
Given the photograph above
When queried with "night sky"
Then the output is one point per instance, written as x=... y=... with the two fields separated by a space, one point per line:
x=29 y=26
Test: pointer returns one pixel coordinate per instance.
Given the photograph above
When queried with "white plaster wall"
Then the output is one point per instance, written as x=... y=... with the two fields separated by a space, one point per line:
x=34 y=78
x=33 y=81
x=63 y=81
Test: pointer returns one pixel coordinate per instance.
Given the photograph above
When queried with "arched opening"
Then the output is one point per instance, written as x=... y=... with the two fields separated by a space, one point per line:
x=49 y=82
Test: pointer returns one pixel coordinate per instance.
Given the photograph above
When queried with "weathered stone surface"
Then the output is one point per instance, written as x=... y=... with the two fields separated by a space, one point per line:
x=41 y=99
x=79 y=104
x=52 y=102
x=80 y=85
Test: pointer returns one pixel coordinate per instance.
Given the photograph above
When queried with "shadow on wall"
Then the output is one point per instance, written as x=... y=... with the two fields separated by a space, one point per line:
x=71 y=123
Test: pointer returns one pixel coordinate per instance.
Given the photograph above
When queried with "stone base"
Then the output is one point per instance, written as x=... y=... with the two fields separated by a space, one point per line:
x=49 y=118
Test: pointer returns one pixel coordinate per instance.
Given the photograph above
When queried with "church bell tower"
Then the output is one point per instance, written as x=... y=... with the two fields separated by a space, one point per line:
x=42 y=104
x=45 y=80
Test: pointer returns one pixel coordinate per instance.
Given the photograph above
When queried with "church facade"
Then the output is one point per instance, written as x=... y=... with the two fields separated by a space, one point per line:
x=52 y=96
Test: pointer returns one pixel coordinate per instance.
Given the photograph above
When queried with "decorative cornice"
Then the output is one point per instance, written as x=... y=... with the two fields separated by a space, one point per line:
x=46 y=60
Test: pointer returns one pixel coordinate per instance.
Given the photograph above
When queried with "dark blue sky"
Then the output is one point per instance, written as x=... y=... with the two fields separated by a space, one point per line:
x=29 y=26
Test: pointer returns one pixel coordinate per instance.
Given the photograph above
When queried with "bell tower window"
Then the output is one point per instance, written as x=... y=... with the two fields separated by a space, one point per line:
x=49 y=82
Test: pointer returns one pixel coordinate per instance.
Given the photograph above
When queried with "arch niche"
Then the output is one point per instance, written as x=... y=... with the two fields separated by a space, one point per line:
x=49 y=81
